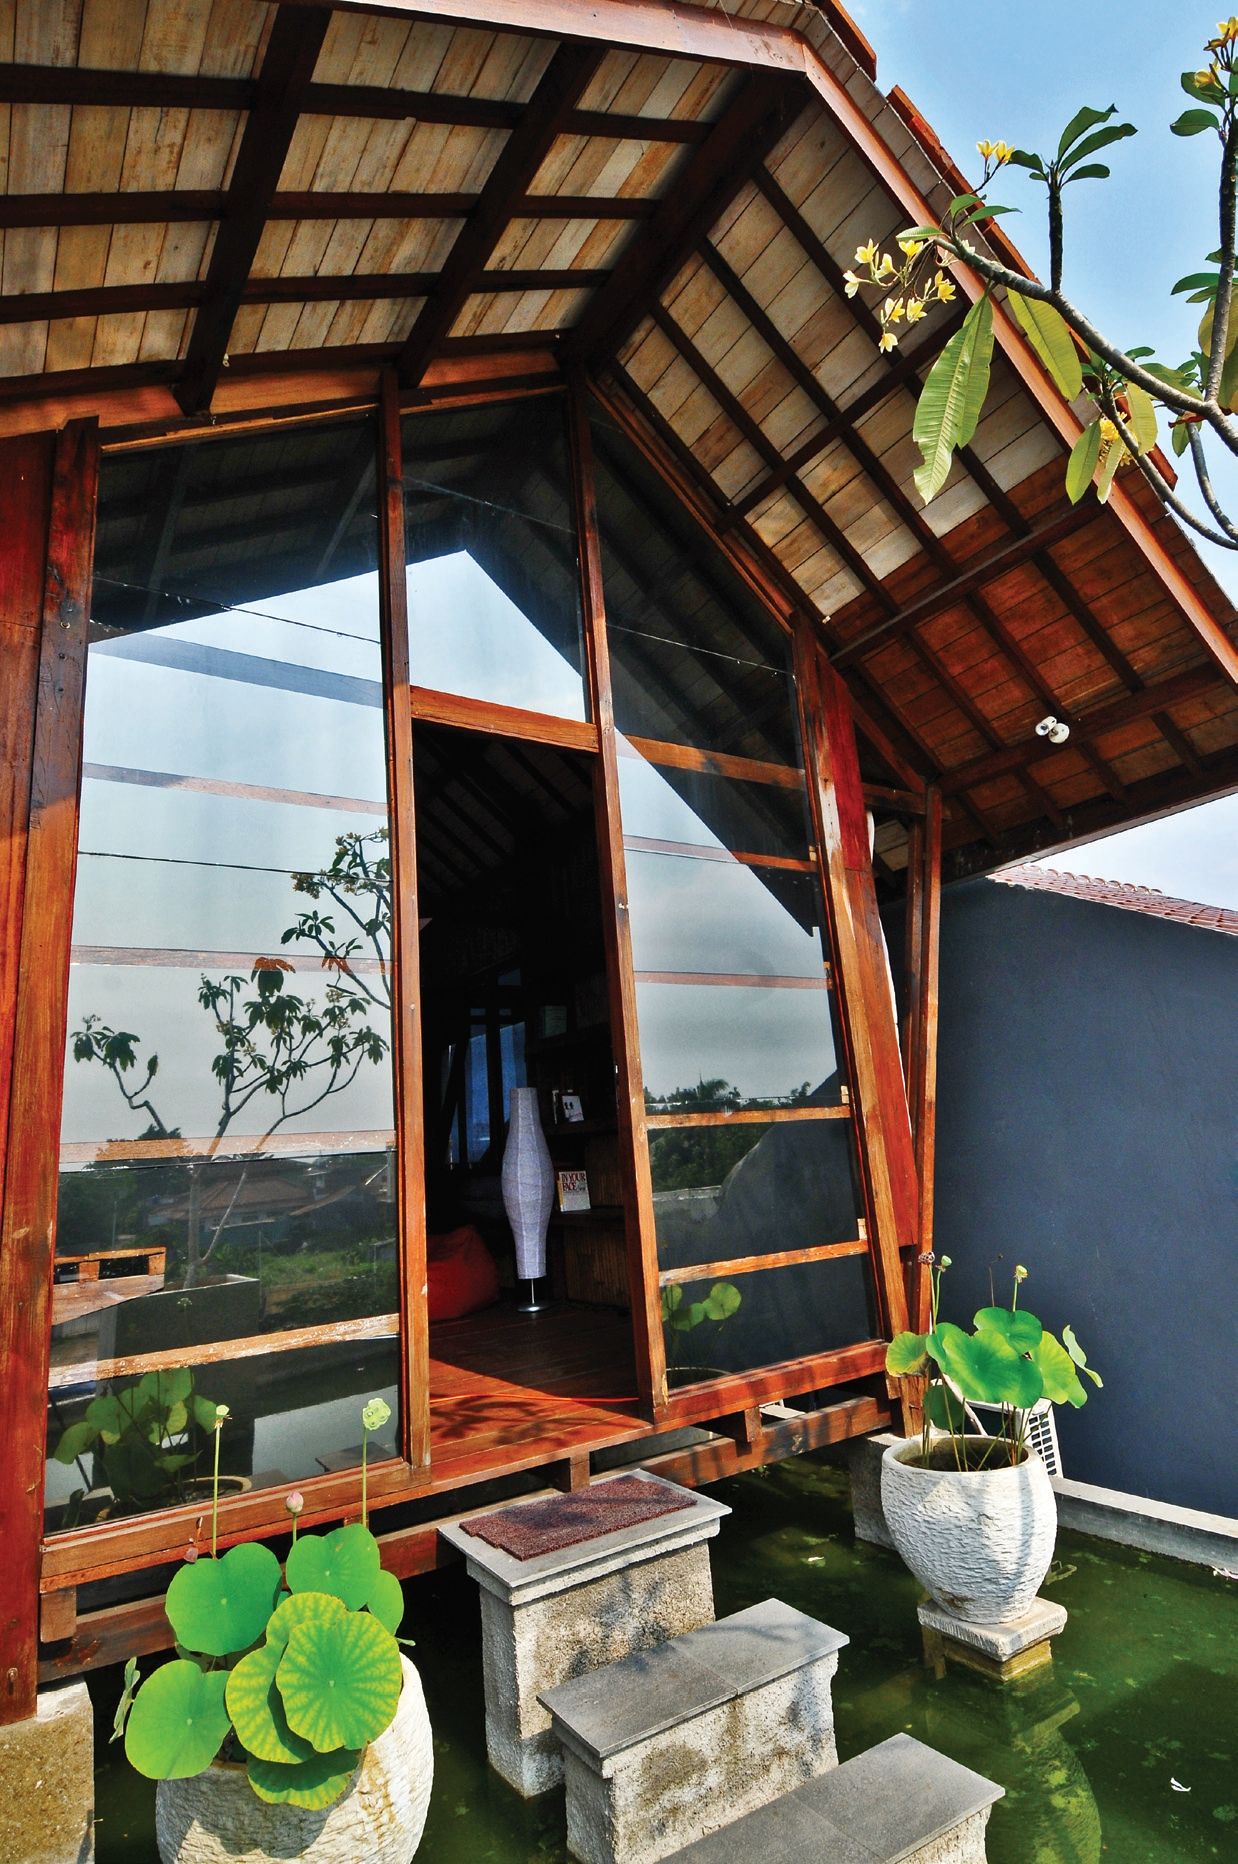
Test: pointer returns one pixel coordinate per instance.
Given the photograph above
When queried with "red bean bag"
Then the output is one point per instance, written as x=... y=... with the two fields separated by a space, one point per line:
x=462 y=1274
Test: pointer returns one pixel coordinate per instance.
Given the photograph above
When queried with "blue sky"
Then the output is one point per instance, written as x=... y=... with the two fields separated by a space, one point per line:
x=1018 y=70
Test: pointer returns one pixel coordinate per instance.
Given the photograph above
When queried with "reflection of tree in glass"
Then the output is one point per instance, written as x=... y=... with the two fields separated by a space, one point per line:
x=688 y=1158
x=293 y=1050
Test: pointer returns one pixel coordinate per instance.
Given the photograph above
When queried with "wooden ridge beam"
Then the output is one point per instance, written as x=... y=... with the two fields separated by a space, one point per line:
x=319 y=287
x=564 y=78
x=288 y=64
x=738 y=142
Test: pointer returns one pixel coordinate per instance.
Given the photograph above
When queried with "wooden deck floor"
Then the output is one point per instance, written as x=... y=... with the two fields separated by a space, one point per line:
x=511 y=1390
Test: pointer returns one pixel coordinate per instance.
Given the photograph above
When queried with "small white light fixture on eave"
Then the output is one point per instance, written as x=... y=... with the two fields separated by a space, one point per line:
x=1054 y=729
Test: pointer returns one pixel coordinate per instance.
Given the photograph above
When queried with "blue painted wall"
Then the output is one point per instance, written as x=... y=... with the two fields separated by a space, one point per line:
x=1088 y=1128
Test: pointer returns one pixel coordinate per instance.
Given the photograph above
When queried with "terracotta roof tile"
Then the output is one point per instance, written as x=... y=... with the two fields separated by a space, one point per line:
x=1120 y=893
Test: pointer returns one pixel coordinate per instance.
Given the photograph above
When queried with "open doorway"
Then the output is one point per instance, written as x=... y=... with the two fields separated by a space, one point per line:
x=514 y=993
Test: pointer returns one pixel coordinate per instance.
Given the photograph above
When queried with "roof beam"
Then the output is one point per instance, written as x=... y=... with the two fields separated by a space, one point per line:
x=741 y=139
x=287 y=69
x=136 y=207
x=509 y=180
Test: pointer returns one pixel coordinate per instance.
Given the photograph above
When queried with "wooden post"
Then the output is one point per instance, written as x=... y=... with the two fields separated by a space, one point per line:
x=925 y=931
x=648 y=1344
x=405 y=945
x=49 y=486
x=883 y=1129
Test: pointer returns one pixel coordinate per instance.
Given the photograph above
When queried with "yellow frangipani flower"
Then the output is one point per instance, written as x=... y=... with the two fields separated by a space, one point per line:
x=912 y=247
x=1108 y=432
x=866 y=255
x=995 y=152
x=887 y=268
x=852 y=282
x=945 y=288
x=892 y=311
x=986 y=149
x=888 y=340
x=915 y=310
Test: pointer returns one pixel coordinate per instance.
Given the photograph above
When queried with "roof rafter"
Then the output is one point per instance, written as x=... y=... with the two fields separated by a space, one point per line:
x=526 y=149
x=138 y=207
x=288 y=63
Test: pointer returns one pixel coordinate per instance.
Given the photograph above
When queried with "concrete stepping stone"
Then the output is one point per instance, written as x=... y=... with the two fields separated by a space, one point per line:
x=563 y=1614
x=670 y=1743
x=899 y=1803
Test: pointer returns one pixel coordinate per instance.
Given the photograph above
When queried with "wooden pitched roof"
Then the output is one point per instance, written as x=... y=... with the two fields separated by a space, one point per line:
x=220 y=206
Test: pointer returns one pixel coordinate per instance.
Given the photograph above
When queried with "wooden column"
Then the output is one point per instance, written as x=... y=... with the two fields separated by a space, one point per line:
x=836 y=796
x=405 y=943
x=648 y=1343
x=923 y=958
x=48 y=485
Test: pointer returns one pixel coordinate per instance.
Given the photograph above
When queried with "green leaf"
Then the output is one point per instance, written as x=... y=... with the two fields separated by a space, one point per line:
x=1057 y=1372
x=984 y=1367
x=944 y=1409
x=344 y=1564
x=1179 y=438
x=1016 y=1326
x=257 y=1708
x=1193 y=88
x=1099 y=139
x=220 y=1606
x=1194 y=123
x=1079 y=1356
x=1194 y=280
x=953 y=395
x=1027 y=158
x=1082 y=462
x=178 y=1723
x=1047 y=332
x=961 y=201
x=907 y=1355
x=75 y=1441
x=1082 y=121
x=315 y=1783
x=1111 y=458
x=1091 y=171
x=1143 y=416
x=126 y=1699
x=986 y=212
x=340 y=1680
x=301 y=1608
x=723 y=1300
x=386 y=1601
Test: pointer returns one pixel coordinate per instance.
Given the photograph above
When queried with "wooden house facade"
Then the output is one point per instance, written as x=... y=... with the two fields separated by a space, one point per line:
x=467 y=623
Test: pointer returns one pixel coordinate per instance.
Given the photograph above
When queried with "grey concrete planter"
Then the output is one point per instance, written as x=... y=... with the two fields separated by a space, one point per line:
x=979 y=1541
x=216 y=1817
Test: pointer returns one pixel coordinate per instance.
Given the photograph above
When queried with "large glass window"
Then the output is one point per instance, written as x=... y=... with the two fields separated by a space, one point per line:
x=493 y=586
x=758 y=1210
x=227 y=1148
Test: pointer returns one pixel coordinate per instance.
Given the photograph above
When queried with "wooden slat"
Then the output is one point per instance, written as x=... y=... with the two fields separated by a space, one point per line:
x=703 y=851
x=752 y=1265
x=77 y=1371
x=747 y=1116
x=233 y=1146
x=744 y=980
x=47 y=836
x=292 y=49
x=715 y=1396
x=405 y=941
x=505 y=721
x=527 y=147
x=134 y=207
x=712 y=763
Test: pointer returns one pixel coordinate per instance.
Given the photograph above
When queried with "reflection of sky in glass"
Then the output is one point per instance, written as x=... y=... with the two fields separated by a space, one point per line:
x=467 y=636
x=693 y=915
x=767 y=1043
x=204 y=872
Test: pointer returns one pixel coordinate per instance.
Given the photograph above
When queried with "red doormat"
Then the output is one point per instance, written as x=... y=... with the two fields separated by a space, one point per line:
x=565 y=1520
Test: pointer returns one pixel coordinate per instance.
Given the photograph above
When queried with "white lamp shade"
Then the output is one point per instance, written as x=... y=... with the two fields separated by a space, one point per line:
x=528 y=1183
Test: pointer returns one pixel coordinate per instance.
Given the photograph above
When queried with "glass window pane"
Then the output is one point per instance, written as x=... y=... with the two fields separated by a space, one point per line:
x=228 y=1097
x=291 y=1415
x=724 y=1192
x=493 y=585
x=695 y=658
x=723 y=918
x=661 y=803
x=747 y=1045
x=787 y=1313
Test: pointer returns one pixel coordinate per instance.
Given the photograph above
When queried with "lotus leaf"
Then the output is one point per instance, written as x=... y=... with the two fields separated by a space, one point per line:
x=984 y=1367
x=907 y=1355
x=944 y=1409
x=1017 y=1327
x=723 y=1300
x=257 y=1709
x=314 y=1783
x=220 y=1606
x=340 y=1680
x=301 y=1608
x=178 y=1722
x=386 y=1601
x=1057 y=1373
x=345 y=1563
x=1079 y=1356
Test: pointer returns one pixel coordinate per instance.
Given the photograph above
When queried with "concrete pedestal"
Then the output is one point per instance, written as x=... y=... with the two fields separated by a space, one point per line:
x=562 y=1615
x=47 y=1805
x=864 y=1456
x=998 y=1651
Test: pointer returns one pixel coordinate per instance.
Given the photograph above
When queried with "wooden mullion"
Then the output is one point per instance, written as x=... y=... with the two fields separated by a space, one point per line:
x=405 y=942
x=39 y=1019
x=921 y=1064
x=868 y=1019
x=756 y=1265
x=642 y=1248
x=567 y=74
x=292 y=49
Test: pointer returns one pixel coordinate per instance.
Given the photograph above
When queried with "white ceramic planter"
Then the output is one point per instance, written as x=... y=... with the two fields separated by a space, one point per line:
x=216 y=1817
x=979 y=1541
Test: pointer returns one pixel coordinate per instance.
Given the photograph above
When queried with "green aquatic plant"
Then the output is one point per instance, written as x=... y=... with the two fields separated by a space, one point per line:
x=290 y=1670
x=680 y=1317
x=148 y=1438
x=1009 y=1360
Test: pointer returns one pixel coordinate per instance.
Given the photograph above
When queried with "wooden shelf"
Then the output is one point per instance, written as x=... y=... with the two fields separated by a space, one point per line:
x=600 y=1213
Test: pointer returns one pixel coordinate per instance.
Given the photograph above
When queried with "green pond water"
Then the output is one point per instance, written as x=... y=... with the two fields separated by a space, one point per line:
x=1143 y=1691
